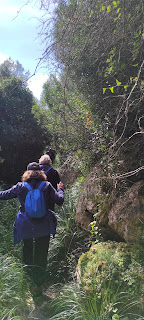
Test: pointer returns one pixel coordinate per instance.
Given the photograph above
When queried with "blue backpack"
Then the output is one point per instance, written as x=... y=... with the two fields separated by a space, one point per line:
x=34 y=202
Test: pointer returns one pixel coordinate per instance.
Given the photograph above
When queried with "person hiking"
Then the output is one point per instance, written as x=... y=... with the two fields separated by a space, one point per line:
x=34 y=231
x=51 y=173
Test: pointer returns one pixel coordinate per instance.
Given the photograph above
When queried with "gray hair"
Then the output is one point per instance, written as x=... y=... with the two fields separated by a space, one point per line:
x=45 y=159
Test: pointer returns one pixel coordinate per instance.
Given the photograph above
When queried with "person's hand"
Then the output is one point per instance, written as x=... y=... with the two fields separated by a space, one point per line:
x=60 y=185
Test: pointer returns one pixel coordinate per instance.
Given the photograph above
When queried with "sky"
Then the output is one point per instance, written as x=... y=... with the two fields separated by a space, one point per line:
x=19 y=26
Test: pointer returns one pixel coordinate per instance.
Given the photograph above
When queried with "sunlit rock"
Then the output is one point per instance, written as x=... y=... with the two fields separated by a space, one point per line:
x=119 y=215
x=127 y=214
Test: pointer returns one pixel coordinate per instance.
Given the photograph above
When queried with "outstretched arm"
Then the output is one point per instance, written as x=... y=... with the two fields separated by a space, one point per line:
x=9 y=193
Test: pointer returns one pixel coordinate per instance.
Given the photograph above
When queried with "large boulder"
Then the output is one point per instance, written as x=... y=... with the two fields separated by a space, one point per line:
x=120 y=216
x=126 y=216
x=94 y=203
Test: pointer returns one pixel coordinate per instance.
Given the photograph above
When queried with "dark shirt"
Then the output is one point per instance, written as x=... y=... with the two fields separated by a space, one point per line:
x=52 y=177
x=51 y=173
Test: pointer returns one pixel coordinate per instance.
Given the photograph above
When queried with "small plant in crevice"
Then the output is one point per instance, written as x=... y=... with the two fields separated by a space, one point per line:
x=100 y=211
x=95 y=232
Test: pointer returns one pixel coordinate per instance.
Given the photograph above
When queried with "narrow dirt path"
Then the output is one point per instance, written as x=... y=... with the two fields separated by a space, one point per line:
x=41 y=305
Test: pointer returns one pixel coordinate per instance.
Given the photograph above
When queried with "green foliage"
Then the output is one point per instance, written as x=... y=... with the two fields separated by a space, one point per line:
x=84 y=160
x=8 y=212
x=69 y=242
x=114 y=270
x=99 y=45
x=21 y=139
x=67 y=305
x=14 y=290
x=66 y=115
x=9 y=68
x=74 y=303
x=73 y=127
x=95 y=231
x=94 y=55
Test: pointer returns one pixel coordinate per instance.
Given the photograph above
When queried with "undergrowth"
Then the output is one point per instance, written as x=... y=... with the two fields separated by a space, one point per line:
x=69 y=242
x=72 y=301
x=8 y=212
x=14 y=291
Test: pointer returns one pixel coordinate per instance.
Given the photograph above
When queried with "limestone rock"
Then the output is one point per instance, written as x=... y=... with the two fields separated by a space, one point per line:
x=120 y=218
x=127 y=215
x=91 y=201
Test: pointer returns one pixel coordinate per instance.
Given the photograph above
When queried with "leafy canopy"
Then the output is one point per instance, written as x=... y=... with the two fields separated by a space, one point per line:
x=22 y=140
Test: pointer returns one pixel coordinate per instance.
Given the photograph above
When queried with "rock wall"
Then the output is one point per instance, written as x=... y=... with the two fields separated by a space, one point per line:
x=119 y=215
x=120 y=219
x=91 y=201
x=127 y=215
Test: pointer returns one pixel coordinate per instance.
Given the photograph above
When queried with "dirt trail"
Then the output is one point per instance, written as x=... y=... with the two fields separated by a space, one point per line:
x=40 y=309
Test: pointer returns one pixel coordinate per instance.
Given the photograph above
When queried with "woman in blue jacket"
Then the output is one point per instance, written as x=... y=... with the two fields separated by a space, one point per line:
x=35 y=232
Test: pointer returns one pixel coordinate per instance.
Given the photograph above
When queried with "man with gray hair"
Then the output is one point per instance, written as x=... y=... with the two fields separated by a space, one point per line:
x=53 y=177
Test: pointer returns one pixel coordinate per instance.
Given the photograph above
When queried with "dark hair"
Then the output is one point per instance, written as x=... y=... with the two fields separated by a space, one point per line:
x=52 y=154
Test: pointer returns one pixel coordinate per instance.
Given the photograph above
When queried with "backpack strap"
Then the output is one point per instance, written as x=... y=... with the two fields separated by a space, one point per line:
x=28 y=186
x=48 y=170
x=41 y=185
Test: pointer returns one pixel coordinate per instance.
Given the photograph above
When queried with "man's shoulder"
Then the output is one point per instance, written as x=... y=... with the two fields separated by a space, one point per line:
x=53 y=170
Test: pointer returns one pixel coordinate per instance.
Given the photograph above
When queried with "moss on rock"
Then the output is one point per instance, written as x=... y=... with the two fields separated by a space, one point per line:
x=115 y=268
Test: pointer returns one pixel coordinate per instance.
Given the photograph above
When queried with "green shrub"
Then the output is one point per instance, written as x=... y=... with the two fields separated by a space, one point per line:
x=73 y=303
x=8 y=212
x=66 y=305
x=115 y=270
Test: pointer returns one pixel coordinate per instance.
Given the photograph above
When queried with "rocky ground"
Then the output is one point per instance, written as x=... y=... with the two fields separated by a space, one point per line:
x=40 y=305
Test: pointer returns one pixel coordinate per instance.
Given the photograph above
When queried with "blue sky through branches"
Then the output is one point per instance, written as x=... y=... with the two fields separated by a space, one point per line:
x=19 y=26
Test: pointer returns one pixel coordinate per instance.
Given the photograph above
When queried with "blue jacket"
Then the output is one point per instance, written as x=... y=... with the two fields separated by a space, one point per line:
x=25 y=227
